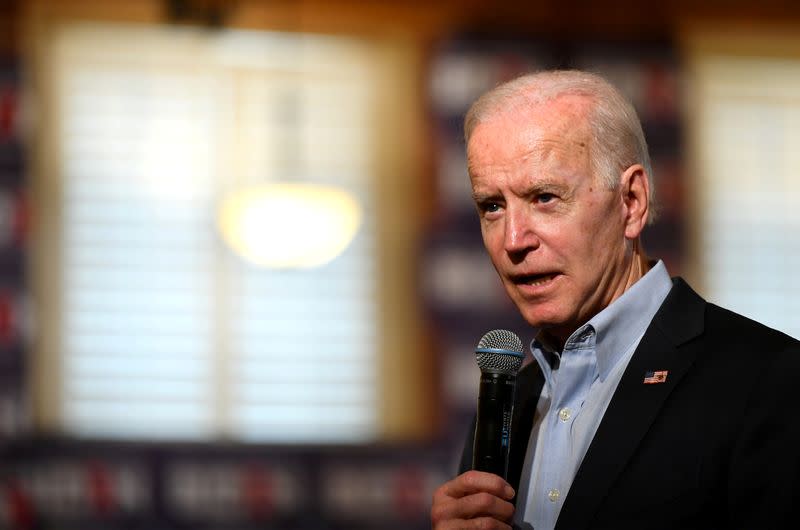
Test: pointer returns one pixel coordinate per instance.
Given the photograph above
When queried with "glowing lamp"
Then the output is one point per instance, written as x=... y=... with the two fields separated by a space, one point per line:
x=289 y=225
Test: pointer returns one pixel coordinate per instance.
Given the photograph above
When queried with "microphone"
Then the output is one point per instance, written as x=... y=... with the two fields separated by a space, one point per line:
x=499 y=355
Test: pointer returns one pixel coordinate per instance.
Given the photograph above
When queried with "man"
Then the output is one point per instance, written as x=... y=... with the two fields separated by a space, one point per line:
x=646 y=407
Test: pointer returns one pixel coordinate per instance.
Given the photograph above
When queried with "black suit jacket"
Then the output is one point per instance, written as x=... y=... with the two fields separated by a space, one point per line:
x=715 y=446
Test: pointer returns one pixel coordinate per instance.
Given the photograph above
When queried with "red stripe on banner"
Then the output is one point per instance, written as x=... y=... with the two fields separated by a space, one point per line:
x=21 y=513
x=257 y=492
x=8 y=112
x=410 y=497
x=101 y=488
x=6 y=318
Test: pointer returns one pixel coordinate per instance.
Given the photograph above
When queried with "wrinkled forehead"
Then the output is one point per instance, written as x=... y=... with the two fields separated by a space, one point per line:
x=566 y=115
x=516 y=129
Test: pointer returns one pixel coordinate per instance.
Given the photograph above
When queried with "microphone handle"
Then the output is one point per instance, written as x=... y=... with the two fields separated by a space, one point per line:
x=493 y=426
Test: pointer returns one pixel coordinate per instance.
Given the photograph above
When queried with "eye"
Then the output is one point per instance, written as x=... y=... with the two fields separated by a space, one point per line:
x=489 y=207
x=544 y=198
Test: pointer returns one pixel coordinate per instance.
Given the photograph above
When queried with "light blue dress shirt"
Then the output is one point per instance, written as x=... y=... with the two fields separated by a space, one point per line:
x=579 y=384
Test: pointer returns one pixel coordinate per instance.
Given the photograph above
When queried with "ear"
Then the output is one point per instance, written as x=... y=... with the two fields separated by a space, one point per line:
x=635 y=189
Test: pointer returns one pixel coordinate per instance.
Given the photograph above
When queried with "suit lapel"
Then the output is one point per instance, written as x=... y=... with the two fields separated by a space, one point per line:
x=635 y=405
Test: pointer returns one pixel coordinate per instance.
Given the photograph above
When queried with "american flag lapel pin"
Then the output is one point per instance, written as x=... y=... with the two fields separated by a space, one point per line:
x=652 y=378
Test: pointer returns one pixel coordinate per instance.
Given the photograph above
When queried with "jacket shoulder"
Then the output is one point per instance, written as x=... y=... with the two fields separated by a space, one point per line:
x=741 y=328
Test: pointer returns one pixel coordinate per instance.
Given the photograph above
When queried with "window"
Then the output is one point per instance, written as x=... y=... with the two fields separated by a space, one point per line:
x=747 y=133
x=162 y=331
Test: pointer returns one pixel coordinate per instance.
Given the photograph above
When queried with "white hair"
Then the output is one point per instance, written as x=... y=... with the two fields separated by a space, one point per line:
x=616 y=129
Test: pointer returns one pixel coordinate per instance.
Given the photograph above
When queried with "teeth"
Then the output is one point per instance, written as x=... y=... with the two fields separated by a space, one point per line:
x=542 y=280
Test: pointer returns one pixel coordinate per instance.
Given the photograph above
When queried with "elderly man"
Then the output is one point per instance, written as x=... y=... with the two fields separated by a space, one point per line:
x=646 y=406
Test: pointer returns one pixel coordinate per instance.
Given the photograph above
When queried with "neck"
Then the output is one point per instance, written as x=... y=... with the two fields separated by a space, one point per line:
x=639 y=266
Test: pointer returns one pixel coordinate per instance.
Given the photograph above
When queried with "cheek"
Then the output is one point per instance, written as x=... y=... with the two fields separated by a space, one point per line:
x=579 y=246
x=600 y=221
x=492 y=238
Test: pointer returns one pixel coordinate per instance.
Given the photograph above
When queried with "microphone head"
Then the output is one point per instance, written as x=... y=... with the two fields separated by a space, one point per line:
x=500 y=351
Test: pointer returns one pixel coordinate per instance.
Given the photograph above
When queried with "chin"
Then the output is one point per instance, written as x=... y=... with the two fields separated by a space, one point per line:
x=542 y=321
x=546 y=317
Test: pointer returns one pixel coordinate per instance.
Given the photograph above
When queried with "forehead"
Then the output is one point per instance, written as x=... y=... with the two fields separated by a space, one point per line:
x=557 y=131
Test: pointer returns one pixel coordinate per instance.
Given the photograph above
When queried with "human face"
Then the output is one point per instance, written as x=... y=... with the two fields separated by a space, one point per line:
x=555 y=234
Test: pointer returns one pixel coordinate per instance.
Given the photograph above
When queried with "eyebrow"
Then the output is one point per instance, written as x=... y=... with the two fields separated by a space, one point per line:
x=548 y=186
x=536 y=188
x=480 y=198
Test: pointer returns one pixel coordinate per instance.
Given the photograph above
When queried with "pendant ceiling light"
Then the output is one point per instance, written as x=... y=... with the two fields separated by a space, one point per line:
x=289 y=225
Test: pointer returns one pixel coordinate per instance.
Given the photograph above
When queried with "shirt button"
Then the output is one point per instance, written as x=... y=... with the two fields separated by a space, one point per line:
x=564 y=414
x=553 y=495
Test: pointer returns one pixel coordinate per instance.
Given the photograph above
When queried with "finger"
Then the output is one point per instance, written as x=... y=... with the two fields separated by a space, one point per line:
x=484 y=523
x=477 y=505
x=478 y=481
x=486 y=505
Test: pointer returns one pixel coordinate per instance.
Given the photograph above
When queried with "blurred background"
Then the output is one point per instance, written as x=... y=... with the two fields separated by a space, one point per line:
x=241 y=278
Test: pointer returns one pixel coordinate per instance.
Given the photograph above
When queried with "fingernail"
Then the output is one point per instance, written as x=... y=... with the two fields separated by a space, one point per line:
x=510 y=492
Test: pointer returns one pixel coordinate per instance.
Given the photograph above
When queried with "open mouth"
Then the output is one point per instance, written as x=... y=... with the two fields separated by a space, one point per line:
x=535 y=280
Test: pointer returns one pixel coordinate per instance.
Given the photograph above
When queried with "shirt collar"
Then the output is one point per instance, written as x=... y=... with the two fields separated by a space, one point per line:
x=614 y=330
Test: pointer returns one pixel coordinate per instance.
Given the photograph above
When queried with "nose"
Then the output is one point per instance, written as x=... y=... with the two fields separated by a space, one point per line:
x=520 y=236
